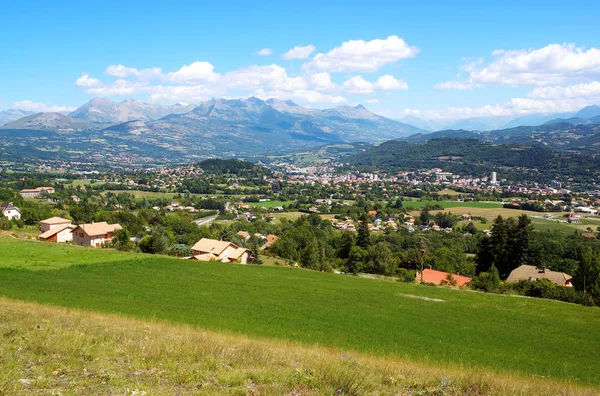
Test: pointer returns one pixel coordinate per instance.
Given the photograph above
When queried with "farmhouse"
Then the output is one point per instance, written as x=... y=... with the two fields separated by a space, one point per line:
x=10 y=211
x=53 y=222
x=442 y=278
x=56 y=229
x=532 y=273
x=94 y=234
x=223 y=251
x=35 y=192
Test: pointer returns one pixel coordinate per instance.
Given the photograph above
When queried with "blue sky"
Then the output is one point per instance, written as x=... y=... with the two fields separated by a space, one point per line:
x=430 y=59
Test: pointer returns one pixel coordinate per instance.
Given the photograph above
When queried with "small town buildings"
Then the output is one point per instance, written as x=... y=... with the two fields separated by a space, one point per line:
x=94 y=234
x=53 y=222
x=35 y=192
x=10 y=211
x=244 y=235
x=533 y=273
x=223 y=251
x=442 y=278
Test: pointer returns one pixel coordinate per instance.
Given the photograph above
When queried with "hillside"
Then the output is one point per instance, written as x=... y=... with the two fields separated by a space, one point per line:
x=393 y=320
x=48 y=122
x=164 y=357
x=10 y=115
x=471 y=156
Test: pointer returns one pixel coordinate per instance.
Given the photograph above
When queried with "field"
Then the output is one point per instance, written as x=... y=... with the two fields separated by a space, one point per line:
x=77 y=352
x=271 y=204
x=453 y=204
x=458 y=330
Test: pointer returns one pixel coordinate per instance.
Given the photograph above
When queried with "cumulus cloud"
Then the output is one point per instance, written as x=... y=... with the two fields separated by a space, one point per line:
x=551 y=65
x=195 y=72
x=358 y=85
x=122 y=71
x=40 y=107
x=182 y=93
x=86 y=81
x=389 y=82
x=573 y=91
x=119 y=87
x=308 y=96
x=299 y=52
x=321 y=81
x=362 y=56
x=264 y=52
x=255 y=77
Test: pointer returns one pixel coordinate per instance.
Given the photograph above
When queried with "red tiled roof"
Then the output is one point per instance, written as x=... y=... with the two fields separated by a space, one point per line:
x=440 y=277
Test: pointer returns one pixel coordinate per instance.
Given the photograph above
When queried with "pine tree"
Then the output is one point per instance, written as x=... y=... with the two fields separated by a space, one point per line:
x=363 y=234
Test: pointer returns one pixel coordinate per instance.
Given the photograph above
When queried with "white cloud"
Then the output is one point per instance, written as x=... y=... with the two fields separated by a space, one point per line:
x=389 y=82
x=358 y=85
x=552 y=64
x=373 y=101
x=362 y=56
x=301 y=95
x=264 y=52
x=299 y=52
x=256 y=77
x=573 y=91
x=119 y=87
x=459 y=85
x=121 y=71
x=321 y=81
x=196 y=72
x=40 y=107
x=182 y=93
x=86 y=81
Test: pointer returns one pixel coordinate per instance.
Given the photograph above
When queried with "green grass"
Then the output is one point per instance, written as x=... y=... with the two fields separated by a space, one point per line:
x=452 y=204
x=271 y=204
x=528 y=336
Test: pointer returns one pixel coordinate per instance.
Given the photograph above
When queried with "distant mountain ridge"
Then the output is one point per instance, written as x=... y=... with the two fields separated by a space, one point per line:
x=10 y=115
x=106 y=111
x=48 y=122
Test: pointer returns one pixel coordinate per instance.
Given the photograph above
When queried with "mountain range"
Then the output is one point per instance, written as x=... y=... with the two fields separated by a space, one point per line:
x=504 y=122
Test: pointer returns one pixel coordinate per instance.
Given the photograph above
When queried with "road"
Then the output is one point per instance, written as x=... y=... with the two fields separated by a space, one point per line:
x=205 y=220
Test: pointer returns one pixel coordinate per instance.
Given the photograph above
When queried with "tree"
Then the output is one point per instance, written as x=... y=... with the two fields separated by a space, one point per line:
x=425 y=217
x=356 y=260
x=121 y=240
x=363 y=234
x=346 y=244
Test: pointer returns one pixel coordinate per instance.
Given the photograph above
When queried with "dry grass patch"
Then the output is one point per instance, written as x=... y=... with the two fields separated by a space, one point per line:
x=55 y=350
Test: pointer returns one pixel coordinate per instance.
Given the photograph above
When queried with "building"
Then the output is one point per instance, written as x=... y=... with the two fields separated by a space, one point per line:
x=10 y=211
x=494 y=178
x=532 y=273
x=53 y=222
x=223 y=251
x=442 y=278
x=58 y=234
x=94 y=234
x=35 y=192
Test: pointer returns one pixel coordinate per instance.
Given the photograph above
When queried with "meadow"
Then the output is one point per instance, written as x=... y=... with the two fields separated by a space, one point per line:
x=79 y=352
x=427 y=325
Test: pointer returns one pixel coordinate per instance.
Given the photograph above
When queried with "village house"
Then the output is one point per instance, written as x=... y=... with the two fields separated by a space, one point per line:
x=10 y=211
x=442 y=278
x=94 y=234
x=533 y=273
x=223 y=251
x=56 y=229
x=35 y=192
x=270 y=239
x=53 y=222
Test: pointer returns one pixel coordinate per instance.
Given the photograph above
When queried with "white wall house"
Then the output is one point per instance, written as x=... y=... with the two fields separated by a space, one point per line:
x=10 y=211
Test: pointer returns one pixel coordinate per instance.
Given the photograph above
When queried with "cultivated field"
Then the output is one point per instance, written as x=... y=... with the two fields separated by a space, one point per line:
x=429 y=326
x=77 y=352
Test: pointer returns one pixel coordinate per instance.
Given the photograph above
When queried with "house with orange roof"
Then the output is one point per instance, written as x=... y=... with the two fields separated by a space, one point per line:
x=94 y=234
x=442 y=278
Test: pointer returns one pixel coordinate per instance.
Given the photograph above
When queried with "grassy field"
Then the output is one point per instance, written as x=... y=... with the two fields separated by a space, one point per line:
x=77 y=352
x=430 y=326
x=271 y=204
x=453 y=204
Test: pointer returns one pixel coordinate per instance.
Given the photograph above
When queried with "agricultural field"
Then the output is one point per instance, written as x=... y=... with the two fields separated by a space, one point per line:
x=434 y=327
x=453 y=204
x=271 y=204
